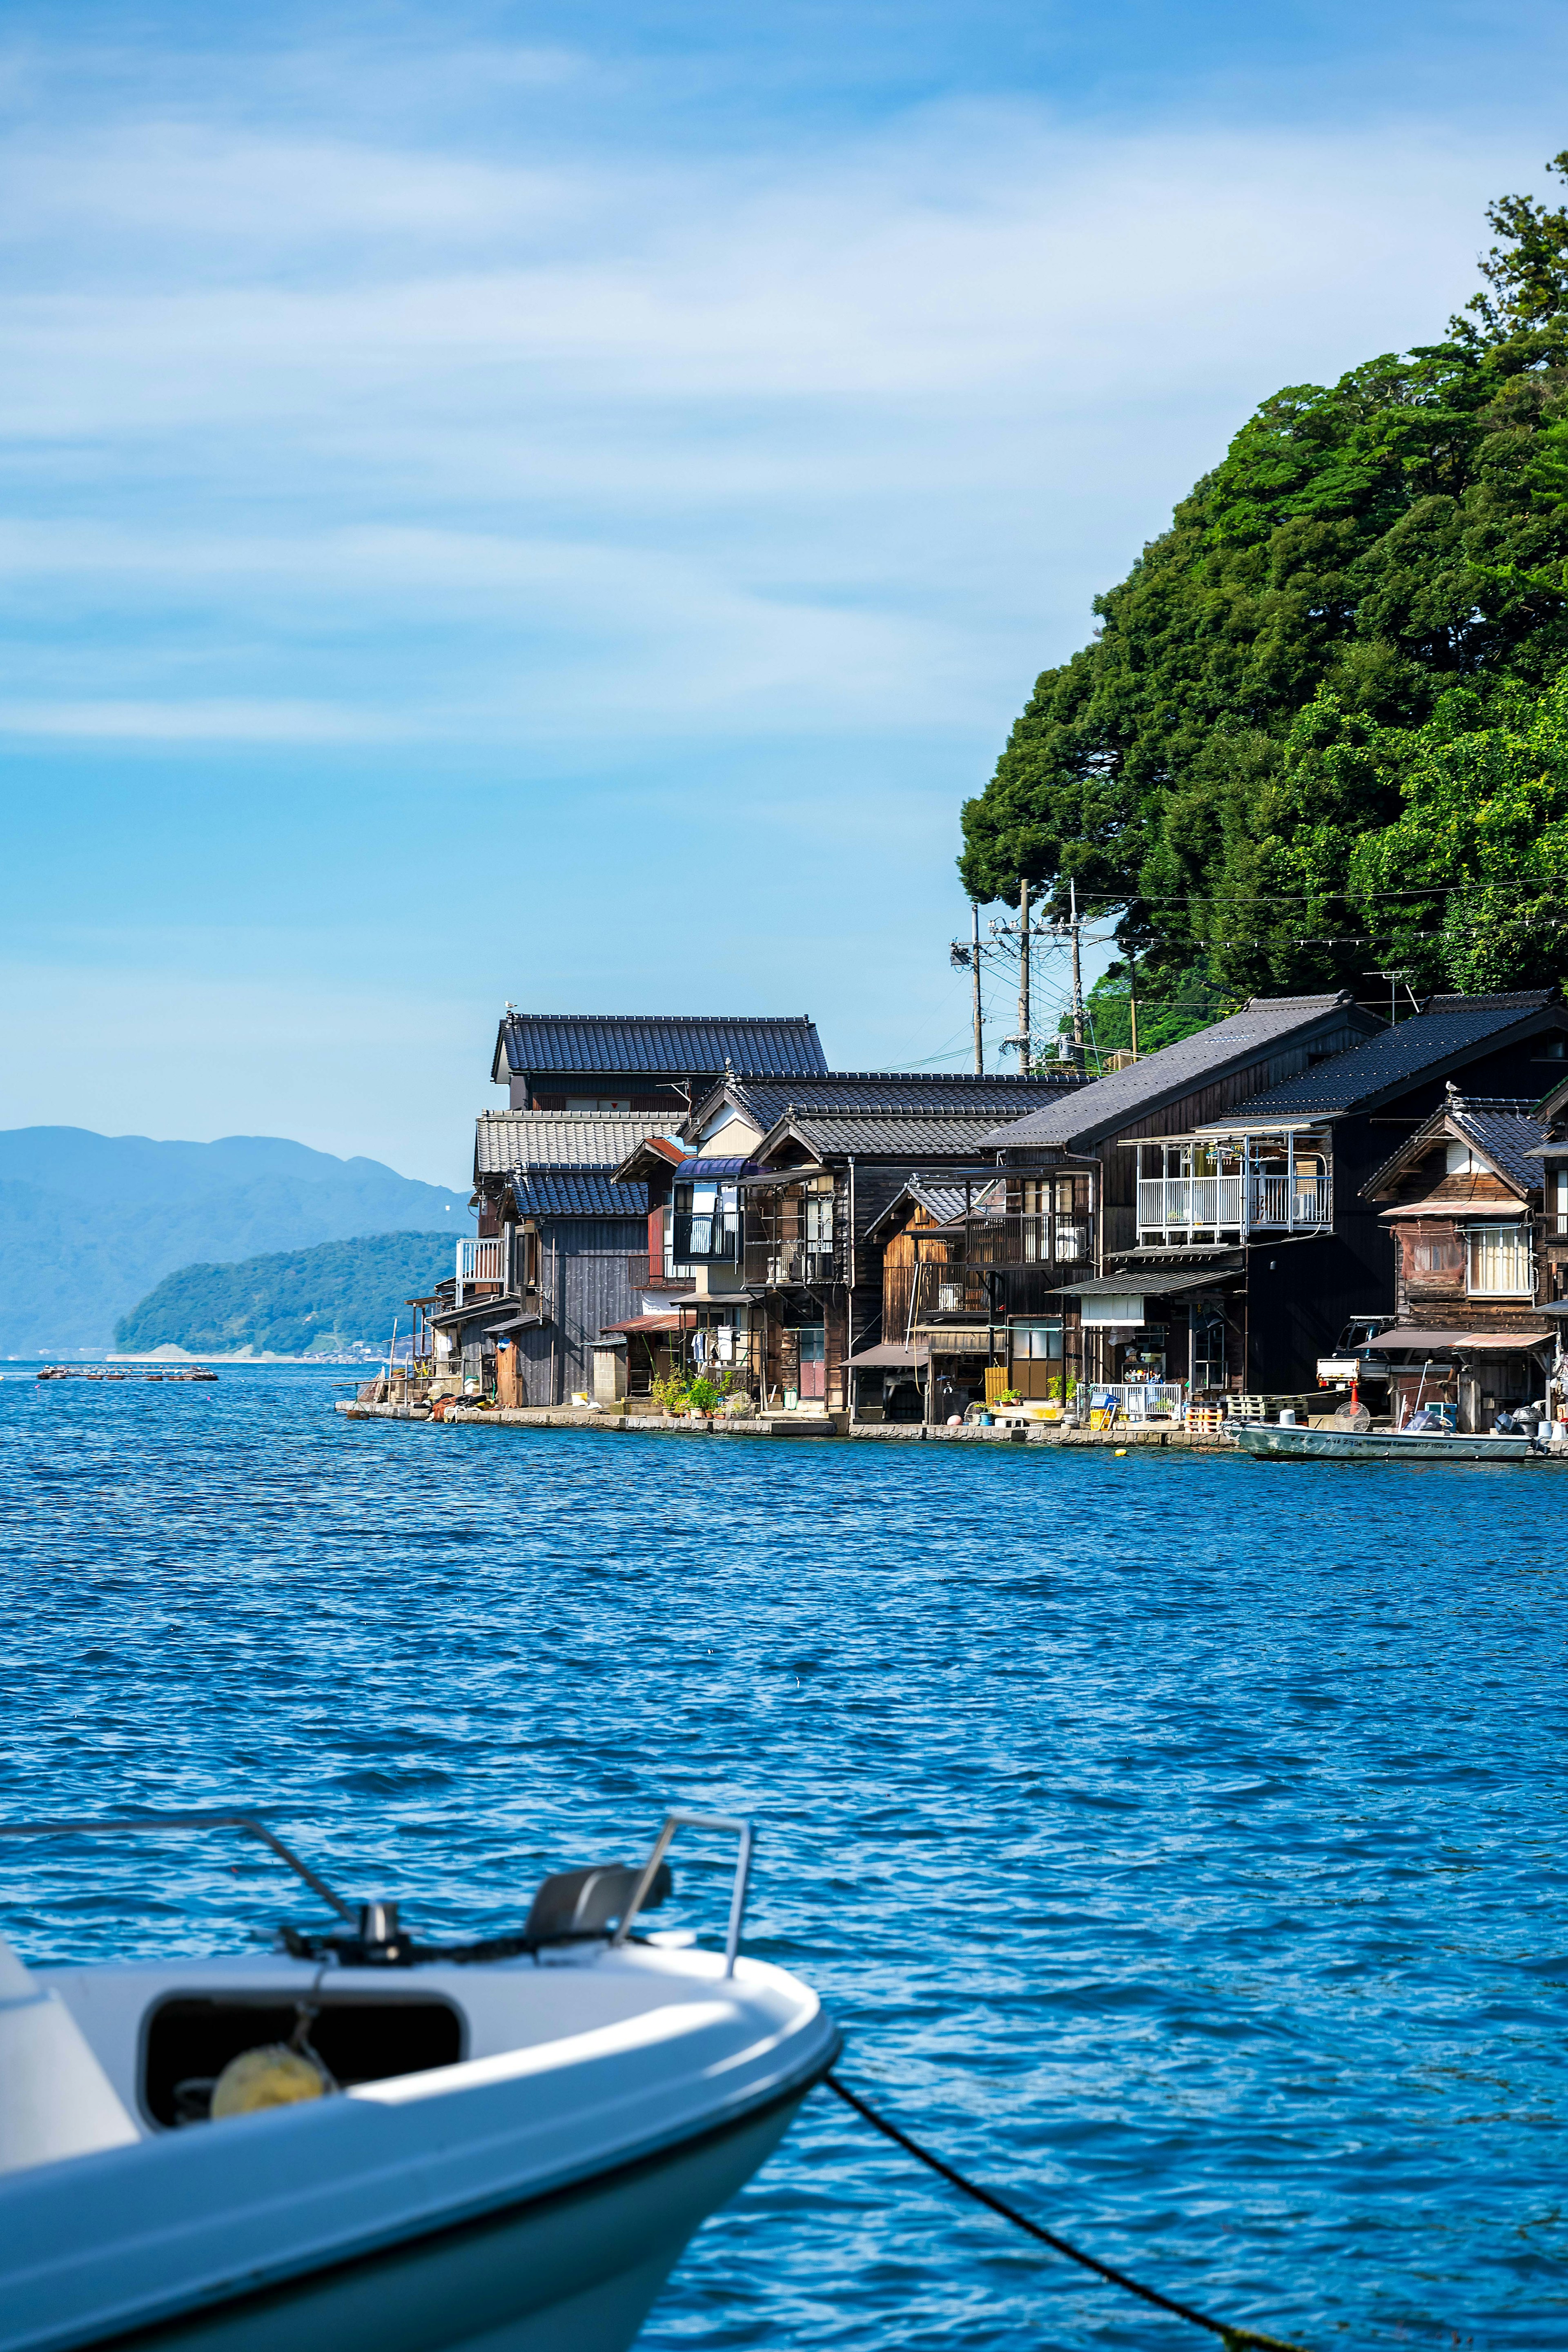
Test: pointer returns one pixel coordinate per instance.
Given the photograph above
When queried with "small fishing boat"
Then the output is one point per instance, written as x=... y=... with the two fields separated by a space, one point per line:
x=1274 y=1439
x=358 y=2139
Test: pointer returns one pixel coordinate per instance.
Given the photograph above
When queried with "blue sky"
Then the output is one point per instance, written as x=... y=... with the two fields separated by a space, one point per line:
x=562 y=504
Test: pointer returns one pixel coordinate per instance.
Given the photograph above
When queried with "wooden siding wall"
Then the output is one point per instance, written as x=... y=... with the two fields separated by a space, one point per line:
x=1436 y=1296
x=591 y=1288
x=1179 y=1118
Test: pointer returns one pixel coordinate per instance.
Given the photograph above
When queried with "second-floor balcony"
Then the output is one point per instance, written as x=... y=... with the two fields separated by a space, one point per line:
x=482 y=1269
x=1191 y=1193
x=1046 y=1238
x=789 y=1262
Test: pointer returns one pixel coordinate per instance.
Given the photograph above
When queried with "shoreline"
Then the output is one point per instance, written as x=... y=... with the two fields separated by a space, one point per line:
x=1145 y=1437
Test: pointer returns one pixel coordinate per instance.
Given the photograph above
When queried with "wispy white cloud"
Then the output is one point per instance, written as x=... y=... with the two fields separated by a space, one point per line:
x=685 y=522
x=781 y=443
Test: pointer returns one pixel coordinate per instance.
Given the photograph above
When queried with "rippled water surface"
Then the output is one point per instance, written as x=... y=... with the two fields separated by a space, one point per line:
x=1179 y=1841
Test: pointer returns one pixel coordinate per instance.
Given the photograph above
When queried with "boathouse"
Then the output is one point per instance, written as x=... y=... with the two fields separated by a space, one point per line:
x=1234 y=1243
x=1473 y=1239
x=768 y=1216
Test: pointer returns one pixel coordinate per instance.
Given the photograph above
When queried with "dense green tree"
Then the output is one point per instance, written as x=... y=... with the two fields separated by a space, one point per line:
x=1370 y=562
x=1485 y=808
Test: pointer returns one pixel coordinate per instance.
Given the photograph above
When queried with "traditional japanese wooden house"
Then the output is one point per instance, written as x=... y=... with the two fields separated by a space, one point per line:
x=555 y=1259
x=973 y=1266
x=1149 y=1311
x=1234 y=1243
x=1463 y=1201
x=585 y=1063
x=768 y=1215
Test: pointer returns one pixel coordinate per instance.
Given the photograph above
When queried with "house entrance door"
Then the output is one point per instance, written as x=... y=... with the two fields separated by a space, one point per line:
x=1208 y=1351
x=812 y=1361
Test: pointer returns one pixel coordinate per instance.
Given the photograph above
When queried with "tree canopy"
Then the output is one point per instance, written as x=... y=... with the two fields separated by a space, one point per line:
x=1319 y=730
x=292 y=1302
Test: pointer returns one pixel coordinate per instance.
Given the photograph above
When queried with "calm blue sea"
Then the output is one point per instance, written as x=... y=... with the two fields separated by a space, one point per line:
x=1180 y=1841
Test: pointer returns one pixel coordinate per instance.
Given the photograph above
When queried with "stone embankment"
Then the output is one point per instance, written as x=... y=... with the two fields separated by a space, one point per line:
x=1139 y=1435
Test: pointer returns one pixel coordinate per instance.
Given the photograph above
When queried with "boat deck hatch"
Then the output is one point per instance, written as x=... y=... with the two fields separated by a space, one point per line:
x=188 y=2043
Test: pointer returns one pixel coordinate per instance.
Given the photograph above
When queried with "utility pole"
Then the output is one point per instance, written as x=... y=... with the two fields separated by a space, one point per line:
x=1132 y=996
x=1023 y=1032
x=1077 y=981
x=974 y=960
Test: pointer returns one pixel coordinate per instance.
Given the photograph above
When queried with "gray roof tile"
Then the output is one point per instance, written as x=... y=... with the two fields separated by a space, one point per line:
x=661 y=1045
x=923 y=1139
x=504 y=1139
x=1447 y=1027
x=902 y=1092
x=576 y=1192
x=1115 y=1100
x=1505 y=1132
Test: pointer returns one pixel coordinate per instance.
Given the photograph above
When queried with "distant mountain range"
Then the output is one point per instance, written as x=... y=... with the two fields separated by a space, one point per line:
x=293 y=1303
x=90 y=1223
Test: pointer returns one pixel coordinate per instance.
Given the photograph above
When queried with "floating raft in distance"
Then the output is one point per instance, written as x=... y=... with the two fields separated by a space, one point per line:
x=98 y=1373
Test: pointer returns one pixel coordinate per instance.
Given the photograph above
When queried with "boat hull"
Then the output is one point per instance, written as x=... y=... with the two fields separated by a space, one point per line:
x=531 y=2196
x=577 y=2272
x=1268 y=1440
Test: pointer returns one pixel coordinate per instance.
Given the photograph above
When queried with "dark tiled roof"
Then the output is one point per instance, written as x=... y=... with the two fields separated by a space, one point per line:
x=1505 y=1132
x=576 y=1192
x=661 y=1045
x=1115 y=1100
x=919 y=1139
x=946 y=1202
x=1445 y=1029
x=919 y=1092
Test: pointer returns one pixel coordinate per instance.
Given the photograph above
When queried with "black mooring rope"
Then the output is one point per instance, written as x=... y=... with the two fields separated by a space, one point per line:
x=1235 y=2338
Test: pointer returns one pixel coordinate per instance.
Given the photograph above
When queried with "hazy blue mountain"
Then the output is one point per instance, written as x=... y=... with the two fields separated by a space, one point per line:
x=90 y=1223
x=291 y=1303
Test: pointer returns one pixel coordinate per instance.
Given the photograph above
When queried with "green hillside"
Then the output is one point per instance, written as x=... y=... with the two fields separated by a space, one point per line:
x=295 y=1303
x=90 y=1223
x=1323 y=727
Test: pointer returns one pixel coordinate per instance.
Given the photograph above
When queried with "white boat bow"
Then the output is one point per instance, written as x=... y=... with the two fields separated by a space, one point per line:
x=598 y=2097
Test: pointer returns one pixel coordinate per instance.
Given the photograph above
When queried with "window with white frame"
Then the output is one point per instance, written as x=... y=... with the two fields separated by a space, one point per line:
x=1500 y=1262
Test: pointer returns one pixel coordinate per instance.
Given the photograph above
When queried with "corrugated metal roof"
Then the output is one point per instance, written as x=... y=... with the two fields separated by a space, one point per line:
x=504 y=1139
x=1146 y=1282
x=576 y=1192
x=1448 y=1026
x=1114 y=1101
x=709 y=1171
x=662 y=1045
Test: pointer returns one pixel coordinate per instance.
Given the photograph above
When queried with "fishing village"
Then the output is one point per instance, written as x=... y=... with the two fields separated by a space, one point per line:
x=1306 y=1214
x=666 y=1689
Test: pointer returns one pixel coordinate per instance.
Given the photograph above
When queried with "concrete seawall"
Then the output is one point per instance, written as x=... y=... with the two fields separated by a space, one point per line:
x=800 y=1429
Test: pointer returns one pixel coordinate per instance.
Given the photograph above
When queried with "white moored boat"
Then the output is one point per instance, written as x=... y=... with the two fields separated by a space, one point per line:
x=1281 y=1440
x=501 y=2146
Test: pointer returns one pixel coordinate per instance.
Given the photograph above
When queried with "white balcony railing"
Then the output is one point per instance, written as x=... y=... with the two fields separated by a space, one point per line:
x=1237 y=1204
x=1140 y=1400
x=1208 y=1202
x=477 y=1261
x=1274 y=1203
